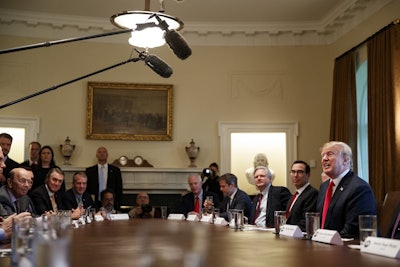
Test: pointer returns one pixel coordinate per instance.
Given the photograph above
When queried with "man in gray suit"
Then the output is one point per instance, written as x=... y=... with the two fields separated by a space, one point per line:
x=13 y=195
x=305 y=198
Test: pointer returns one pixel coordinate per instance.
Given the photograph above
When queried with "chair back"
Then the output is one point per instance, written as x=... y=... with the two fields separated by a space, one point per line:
x=387 y=212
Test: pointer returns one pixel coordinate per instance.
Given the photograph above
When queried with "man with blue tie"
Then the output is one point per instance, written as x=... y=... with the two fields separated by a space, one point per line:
x=77 y=195
x=102 y=176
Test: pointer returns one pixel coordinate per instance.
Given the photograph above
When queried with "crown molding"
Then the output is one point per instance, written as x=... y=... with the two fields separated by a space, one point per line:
x=324 y=32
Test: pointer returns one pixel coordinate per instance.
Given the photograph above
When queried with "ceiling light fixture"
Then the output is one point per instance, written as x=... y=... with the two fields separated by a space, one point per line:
x=146 y=32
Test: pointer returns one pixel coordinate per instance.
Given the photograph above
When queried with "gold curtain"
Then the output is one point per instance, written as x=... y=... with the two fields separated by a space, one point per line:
x=344 y=103
x=384 y=111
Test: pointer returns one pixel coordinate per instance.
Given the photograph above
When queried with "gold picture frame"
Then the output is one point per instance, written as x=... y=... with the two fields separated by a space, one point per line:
x=129 y=111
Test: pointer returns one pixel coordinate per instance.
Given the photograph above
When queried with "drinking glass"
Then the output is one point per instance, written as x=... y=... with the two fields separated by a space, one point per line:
x=279 y=220
x=367 y=227
x=312 y=223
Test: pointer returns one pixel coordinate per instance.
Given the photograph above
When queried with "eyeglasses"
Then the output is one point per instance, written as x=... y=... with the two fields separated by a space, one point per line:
x=300 y=172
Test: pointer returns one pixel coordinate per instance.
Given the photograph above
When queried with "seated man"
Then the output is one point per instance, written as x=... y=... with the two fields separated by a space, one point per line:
x=77 y=195
x=234 y=198
x=107 y=203
x=270 y=199
x=143 y=210
x=193 y=202
x=13 y=195
x=305 y=198
x=47 y=197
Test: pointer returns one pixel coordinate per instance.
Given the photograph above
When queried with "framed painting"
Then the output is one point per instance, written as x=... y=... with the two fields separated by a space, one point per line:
x=127 y=111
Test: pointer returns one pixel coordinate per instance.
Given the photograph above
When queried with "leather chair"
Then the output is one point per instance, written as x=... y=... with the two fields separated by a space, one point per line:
x=387 y=212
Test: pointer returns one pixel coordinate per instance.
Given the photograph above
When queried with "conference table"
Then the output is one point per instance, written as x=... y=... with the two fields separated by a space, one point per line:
x=157 y=242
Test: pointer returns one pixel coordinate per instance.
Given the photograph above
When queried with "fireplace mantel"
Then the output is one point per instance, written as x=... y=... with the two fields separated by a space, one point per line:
x=151 y=180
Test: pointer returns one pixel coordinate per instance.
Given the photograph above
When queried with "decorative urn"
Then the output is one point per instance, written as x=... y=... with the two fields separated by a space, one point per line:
x=66 y=150
x=192 y=151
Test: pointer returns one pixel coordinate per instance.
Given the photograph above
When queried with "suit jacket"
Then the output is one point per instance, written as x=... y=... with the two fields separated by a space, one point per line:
x=240 y=201
x=353 y=196
x=9 y=208
x=188 y=201
x=114 y=181
x=41 y=200
x=69 y=200
x=278 y=197
x=305 y=202
x=397 y=233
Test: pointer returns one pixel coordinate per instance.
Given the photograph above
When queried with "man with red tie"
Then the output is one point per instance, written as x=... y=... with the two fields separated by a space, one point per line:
x=270 y=199
x=305 y=198
x=344 y=196
x=193 y=202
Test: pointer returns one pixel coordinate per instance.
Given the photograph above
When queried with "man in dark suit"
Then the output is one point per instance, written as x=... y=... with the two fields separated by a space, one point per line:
x=193 y=202
x=350 y=195
x=13 y=196
x=102 y=176
x=34 y=149
x=271 y=198
x=5 y=143
x=47 y=197
x=305 y=198
x=77 y=195
x=234 y=198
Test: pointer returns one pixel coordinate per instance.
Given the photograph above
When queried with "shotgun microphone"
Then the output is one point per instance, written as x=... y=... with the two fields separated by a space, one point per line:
x=156 y=64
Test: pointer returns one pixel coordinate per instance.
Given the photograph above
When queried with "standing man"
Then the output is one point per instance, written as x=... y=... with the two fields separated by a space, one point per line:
x=47 y=197
x=102 y=176
x=77 y=195
x=193 y=202
x=344 y=196
x=5 y=143
x=13 y=195
x=234 y=198
x=305 y=198
x=34 y=148
x=270 y=199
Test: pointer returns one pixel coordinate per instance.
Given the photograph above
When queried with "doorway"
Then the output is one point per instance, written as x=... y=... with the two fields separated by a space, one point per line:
x=240 y=142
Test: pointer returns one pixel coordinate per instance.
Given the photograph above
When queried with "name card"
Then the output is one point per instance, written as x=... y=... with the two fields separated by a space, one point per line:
x=220 y=221
x=118 y=217
x=291 y=230
x=207 y=219
x=176 y=217
x=382 y=246
x=192 y=218
x=327 y=236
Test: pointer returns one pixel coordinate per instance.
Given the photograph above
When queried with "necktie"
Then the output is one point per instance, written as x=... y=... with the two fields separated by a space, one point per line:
x=291 y=203
x=79 y=200
x=258 y=208
x=53 y=203
x=16 y=206
x=197 y=205
x=328 y=197
x=395 y=226
x=101 y=181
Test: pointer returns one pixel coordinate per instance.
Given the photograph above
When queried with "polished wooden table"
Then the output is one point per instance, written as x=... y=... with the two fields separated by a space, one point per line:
x=169 y=243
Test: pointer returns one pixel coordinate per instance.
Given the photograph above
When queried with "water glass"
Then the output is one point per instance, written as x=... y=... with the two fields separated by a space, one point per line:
x=279 y=220
x=23 y=230
x=368 y=227
x=312 y=223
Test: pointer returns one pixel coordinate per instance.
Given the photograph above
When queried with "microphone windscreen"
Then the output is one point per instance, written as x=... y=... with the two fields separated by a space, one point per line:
x=158 y=65
x=178 y=44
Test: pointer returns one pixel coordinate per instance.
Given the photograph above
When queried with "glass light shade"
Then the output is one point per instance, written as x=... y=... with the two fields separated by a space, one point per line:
x=148 y=37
